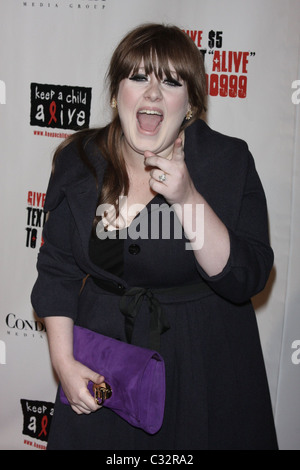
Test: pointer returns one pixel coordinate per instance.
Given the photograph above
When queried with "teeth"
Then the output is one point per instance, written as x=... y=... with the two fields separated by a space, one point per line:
x=148 y=111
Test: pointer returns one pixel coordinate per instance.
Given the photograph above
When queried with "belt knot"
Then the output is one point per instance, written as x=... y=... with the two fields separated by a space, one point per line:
x=130 y=304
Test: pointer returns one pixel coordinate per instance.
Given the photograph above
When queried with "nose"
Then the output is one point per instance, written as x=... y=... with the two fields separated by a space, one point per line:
x=153 y=91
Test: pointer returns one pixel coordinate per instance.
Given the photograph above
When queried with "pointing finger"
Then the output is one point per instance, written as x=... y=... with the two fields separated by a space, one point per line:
x=178 y=153
x=156 y=162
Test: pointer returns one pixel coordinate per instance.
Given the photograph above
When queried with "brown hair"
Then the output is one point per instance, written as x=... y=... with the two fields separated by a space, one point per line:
x=158 y=46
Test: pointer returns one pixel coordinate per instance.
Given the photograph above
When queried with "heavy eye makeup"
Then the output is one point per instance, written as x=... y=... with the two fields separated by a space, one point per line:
x=171 y=82
x=139 y=77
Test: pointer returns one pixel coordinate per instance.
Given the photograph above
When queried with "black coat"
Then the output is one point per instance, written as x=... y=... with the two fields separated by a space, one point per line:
x=217 y=392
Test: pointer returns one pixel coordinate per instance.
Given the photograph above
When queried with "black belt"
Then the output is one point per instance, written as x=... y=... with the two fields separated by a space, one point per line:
x=132 y=298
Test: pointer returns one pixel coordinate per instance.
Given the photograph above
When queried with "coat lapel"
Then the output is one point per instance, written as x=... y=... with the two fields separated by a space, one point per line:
x=82 y=199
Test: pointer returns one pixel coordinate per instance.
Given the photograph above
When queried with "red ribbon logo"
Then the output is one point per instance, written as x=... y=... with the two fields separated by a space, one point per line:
x=52 y=112
x=44 y=426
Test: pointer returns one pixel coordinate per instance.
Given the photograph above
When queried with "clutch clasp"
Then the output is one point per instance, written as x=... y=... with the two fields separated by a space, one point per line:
x=101 y=393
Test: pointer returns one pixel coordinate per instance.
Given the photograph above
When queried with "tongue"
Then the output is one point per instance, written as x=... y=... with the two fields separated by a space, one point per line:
x=149 y=122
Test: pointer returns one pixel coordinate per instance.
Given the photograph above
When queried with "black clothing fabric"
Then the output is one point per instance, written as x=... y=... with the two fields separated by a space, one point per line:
x=108 y=253
x=217 y=395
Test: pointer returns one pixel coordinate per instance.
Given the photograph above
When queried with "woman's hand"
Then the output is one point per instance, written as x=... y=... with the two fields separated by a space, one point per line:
x=74 y=378
x=209 y=237
x=177 y=188
x=73 y=375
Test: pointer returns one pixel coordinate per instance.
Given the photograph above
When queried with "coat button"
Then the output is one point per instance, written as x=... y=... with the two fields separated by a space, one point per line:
x=134 y=249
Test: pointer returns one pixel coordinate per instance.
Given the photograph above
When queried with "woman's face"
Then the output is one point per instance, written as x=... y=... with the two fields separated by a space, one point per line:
x=151 y=111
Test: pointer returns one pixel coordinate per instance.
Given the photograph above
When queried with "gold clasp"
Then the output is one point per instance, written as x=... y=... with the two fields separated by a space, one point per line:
x=101 y=393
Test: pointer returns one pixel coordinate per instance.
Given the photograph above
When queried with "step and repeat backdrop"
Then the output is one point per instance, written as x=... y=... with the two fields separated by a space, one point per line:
x=53 y=60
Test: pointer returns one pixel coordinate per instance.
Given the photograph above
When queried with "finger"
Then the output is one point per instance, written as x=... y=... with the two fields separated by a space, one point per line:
x=86 y=402
x=96 y=378
x=86 y=406
x=157 y=174
x=157 y=186
x=178 y=153
x=76 y=410
x=80 y=408
x=156 y=162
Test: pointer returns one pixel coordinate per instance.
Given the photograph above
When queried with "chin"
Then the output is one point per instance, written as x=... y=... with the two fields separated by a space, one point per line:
x=154 y=147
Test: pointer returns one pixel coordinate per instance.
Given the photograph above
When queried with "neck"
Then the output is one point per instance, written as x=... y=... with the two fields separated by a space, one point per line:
x=134 y=161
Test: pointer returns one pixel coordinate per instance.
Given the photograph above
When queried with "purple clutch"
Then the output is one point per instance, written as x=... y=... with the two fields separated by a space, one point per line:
x=136 y=376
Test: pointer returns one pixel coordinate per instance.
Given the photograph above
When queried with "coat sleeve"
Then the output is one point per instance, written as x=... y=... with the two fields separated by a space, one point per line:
x=59 y=280
x=251 y=257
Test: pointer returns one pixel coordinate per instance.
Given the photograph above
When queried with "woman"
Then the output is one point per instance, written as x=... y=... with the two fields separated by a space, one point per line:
x=157 y=153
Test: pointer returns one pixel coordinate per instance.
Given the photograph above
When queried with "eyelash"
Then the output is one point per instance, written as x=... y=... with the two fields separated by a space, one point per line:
x=141 y=78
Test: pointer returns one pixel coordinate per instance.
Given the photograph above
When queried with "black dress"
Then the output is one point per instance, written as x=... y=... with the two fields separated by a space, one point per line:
x=217 y=395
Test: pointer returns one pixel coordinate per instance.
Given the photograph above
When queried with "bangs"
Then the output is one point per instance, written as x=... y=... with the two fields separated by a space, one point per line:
x=148 y=46
x=166 y=51
x=157 y=60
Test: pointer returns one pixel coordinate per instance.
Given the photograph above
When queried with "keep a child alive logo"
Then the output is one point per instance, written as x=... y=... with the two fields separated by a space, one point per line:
x=37 y=416
x=60 y=106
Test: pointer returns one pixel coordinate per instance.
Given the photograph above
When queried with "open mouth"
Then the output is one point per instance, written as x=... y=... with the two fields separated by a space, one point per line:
x=149 y=119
